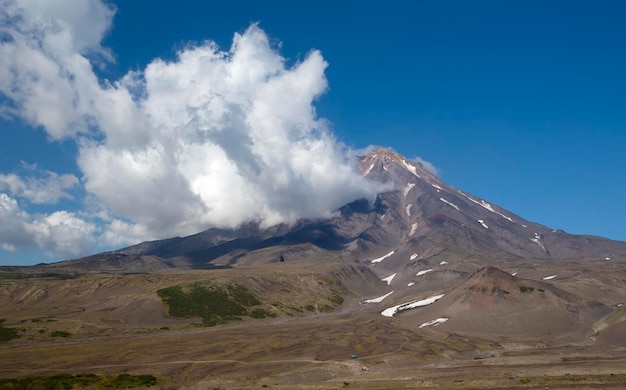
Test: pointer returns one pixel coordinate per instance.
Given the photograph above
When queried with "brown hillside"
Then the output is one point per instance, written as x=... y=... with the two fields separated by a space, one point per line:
x=494 y=303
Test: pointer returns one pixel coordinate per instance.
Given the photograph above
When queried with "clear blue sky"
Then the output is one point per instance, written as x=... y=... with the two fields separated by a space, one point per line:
x=522 y=103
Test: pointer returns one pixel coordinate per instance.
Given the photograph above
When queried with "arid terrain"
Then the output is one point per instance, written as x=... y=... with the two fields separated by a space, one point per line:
x=118 y=324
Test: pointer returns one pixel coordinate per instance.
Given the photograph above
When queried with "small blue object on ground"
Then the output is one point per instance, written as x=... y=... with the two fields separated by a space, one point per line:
x=354 y=357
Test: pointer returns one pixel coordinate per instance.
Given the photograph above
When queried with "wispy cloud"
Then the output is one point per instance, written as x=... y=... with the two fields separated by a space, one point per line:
x=427 y=165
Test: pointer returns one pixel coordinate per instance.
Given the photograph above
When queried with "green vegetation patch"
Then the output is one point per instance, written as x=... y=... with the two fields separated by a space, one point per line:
x=64 y=381
x=42 y=275
x=525 y=289
x=262 y=313
x=499 y=291
x=59 y=333
x=7 y=334
x=214 y=304
x=336 y=298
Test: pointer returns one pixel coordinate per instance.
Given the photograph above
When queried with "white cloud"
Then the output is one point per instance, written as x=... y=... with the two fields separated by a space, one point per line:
x=213 y=138
x=427 y=165
x=57 y=234
x=62 y=234
x=234 y=137
x=45 y=72
x=47 y=189
x=366 y=150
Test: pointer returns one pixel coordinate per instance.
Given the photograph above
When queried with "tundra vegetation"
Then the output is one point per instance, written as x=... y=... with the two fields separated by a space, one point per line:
x=80 y=381
x=213 y=304
x=7 y=334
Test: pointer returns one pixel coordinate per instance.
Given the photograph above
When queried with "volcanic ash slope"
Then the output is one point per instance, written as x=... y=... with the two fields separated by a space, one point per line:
x=493 y=303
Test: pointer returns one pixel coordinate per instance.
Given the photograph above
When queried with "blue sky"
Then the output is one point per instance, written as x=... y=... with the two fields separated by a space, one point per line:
x=520 y=102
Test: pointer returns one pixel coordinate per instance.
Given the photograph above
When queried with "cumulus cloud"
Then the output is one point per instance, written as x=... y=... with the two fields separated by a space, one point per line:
x=57 y=234
x=213 y=138
x=45 y=72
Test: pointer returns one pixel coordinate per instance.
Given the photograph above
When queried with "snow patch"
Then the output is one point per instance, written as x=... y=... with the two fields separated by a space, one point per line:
x=410 y=284
x=390 y=312
x=537 y=240
x=423 y=272
x=436 y=186
x=369 y=169
x=524 y=226
x=550 y=277
x=410 y=168
x=408 y=188
x=443 y=262
x=435 y=322
x=486 y=206
x=408 y=209
x=379 y=299
x=378 y=260
x=413 y=229
x=482 y=222
x=607 y=258
x=413 y=256
x=514 y=273
x=450 y=203
x=389 y=278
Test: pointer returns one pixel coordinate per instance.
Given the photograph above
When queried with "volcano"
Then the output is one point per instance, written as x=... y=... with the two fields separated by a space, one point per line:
x=418 y=221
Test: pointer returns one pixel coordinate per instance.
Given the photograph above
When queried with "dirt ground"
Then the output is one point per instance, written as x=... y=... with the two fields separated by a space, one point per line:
x=314 y=353
x=117 y=324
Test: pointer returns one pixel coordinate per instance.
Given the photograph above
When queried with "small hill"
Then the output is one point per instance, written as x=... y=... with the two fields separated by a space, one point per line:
x=494 y=303
x=611 y=330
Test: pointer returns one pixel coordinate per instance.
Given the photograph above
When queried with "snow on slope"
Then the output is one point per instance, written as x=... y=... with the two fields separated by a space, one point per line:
x=420 y=273
x=389 y=278
x=450 y=203
x=379 y=299
x=378 y=260
x=408 y=188
x=390 y=312
x=435 y=322
x=485 y=205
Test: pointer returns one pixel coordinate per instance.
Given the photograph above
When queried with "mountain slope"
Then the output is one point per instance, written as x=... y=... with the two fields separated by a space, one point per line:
x=436 y=217
x=418 y=218
x=494 y=303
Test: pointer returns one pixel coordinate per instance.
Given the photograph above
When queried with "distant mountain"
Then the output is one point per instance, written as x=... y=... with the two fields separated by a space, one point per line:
x=418 y=220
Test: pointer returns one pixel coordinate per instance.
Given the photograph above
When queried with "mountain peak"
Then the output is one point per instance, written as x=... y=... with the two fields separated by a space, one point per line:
x=385 y=159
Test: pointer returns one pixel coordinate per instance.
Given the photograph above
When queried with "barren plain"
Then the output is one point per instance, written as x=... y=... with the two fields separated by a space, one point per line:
x=107 y=324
